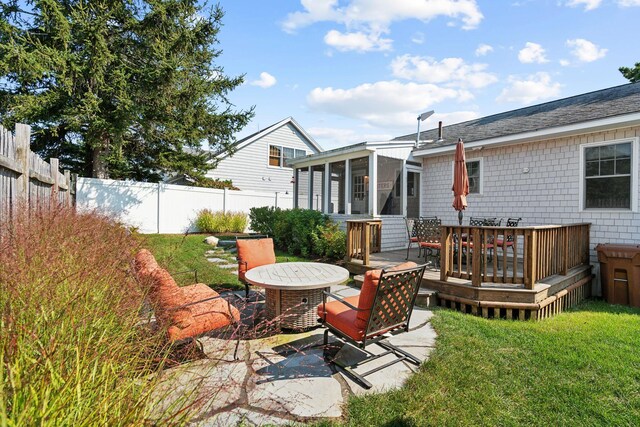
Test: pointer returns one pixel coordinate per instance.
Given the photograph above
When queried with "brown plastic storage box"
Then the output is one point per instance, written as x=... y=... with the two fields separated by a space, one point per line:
x=620 y=273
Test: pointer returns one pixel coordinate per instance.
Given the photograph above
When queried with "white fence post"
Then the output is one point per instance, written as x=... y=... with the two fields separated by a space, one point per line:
x=276 y=203
x=224 y=200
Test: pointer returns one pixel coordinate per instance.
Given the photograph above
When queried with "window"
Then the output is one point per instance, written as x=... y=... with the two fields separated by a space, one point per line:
x=275 y=156
x=279 y=155
x=607 y=174
x=473 y=171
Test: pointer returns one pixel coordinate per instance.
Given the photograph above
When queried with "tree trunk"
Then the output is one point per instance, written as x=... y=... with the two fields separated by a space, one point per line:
x=99 y=165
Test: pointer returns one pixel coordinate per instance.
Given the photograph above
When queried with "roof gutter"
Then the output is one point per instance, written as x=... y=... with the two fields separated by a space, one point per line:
x=554 y=132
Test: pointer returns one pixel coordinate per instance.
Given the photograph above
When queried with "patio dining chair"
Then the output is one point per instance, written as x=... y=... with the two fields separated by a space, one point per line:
x=253 y=251
x=410 y=223
x=507 y=240
x=429 y=235
x=382 y=308
x=467 y=243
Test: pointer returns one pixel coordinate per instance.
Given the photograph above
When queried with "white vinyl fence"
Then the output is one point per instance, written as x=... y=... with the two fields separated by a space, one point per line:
x=166 y=208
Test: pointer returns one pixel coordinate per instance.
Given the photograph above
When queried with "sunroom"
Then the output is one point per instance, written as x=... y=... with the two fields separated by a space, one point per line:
x=378 y=180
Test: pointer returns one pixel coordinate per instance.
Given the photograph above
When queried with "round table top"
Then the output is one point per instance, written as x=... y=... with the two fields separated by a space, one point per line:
x=297 y=276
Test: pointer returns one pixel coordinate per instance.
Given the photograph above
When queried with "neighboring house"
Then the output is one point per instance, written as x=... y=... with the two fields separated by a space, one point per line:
x=566 y=161
x=259 y=161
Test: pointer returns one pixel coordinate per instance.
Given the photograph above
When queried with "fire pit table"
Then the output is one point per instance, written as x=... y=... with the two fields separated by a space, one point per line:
x=293 y=290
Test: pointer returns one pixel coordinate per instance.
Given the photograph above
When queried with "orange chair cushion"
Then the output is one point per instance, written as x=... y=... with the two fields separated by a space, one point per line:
x=144 y=262
x=207 y=315
x=430 y=245
x=413 y=239
x=254 y=253
x=368 y=292
x=342 y=317
x=165 y=296
x=503 y=243
x=470 y=244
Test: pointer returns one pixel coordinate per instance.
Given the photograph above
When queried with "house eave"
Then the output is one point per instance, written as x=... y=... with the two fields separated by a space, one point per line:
x=608 y=123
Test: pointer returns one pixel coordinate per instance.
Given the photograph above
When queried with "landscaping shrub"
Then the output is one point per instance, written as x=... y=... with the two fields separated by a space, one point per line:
x=263 y=219
x=71 y=350
x=209 y=221
x=300 y=231
x=329 y=241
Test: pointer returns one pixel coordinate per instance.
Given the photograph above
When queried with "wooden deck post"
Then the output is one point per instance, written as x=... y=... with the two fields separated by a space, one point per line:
x=532 y=258
x=476 y=276
x=565 y=250
x=445 y=250
x=367 y=244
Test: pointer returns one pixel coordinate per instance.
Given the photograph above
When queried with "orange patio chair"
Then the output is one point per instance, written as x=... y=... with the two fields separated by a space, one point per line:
x=184 y=312
x=383 y=307
x=429 y=235
x=253 y=251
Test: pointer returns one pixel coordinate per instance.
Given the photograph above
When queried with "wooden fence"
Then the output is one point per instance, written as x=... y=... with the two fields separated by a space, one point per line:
x=364 y=237
x=27 y=181
x=516 y=255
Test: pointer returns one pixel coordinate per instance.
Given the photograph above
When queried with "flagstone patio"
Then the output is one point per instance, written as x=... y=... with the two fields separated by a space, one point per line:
x=281 y=378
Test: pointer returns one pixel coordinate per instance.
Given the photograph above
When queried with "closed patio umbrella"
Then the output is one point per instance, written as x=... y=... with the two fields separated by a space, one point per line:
x=460 y=181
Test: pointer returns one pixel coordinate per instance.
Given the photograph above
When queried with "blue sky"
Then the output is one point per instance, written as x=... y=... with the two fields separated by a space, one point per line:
x=356 y=70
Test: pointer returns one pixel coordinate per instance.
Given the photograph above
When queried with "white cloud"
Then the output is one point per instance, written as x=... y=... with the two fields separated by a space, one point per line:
x=588 y=4
x=532 y=52
x=335 y=137
x=358 y=41
x=266 y=80
x=629 y=3
x=418 y=38
x=483 y=49
x=377 y=14
x=453 y=71
x=536 y=87
x=383 y=104
x=585 y=50
x=565 y=62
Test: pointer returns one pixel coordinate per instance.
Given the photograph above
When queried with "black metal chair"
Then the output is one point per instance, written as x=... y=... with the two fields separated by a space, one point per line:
x=429 y=236
x=507 y=240
x=362 y=320
x=411 y=234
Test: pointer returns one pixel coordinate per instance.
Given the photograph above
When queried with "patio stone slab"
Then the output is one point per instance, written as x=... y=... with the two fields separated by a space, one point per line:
x=242 y=417
x=281 y=379
x=227 y=266
x=217 y=260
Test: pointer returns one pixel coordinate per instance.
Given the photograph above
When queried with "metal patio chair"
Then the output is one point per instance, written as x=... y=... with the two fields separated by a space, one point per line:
x=429 y=236
x=383 y=307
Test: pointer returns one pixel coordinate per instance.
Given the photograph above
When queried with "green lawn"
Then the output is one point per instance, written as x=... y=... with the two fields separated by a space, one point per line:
x=579 y=368
x=179 y=252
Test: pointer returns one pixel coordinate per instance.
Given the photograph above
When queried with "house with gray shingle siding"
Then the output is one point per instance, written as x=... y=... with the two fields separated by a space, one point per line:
x=259 y=162
x=566 y=161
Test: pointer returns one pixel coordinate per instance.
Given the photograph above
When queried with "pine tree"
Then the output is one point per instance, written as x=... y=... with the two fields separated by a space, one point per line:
x=632 y=74
x=118 y=88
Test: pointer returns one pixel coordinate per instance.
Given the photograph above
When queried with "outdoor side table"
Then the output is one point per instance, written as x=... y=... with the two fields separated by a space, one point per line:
x=293 y=290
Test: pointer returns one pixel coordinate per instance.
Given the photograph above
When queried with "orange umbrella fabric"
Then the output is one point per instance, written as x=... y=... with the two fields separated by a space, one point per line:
x=460 y=180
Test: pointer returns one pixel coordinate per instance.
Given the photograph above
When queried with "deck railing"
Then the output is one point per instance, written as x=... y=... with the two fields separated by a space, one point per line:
x=512 y=255
x=364 y=237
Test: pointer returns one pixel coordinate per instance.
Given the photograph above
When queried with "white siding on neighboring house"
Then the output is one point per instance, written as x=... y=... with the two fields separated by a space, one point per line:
x=538 y=181
x=249 y=168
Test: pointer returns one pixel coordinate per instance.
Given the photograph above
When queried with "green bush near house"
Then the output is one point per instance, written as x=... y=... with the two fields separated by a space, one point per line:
x=209 y=221
x=300 y=231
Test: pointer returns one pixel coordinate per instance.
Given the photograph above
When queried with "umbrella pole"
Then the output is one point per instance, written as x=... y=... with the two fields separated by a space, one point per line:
x=460 y=217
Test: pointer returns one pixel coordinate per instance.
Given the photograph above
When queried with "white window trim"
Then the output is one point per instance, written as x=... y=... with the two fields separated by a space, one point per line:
x=480 y=160
x=282 y=160
x=635 y=141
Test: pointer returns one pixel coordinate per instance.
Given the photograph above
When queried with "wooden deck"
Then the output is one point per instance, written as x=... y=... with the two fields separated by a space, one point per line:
x=548 y=296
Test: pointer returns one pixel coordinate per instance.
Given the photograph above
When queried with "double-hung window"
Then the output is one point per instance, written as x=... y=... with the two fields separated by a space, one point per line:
x=609 y=175
x=279 y=155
